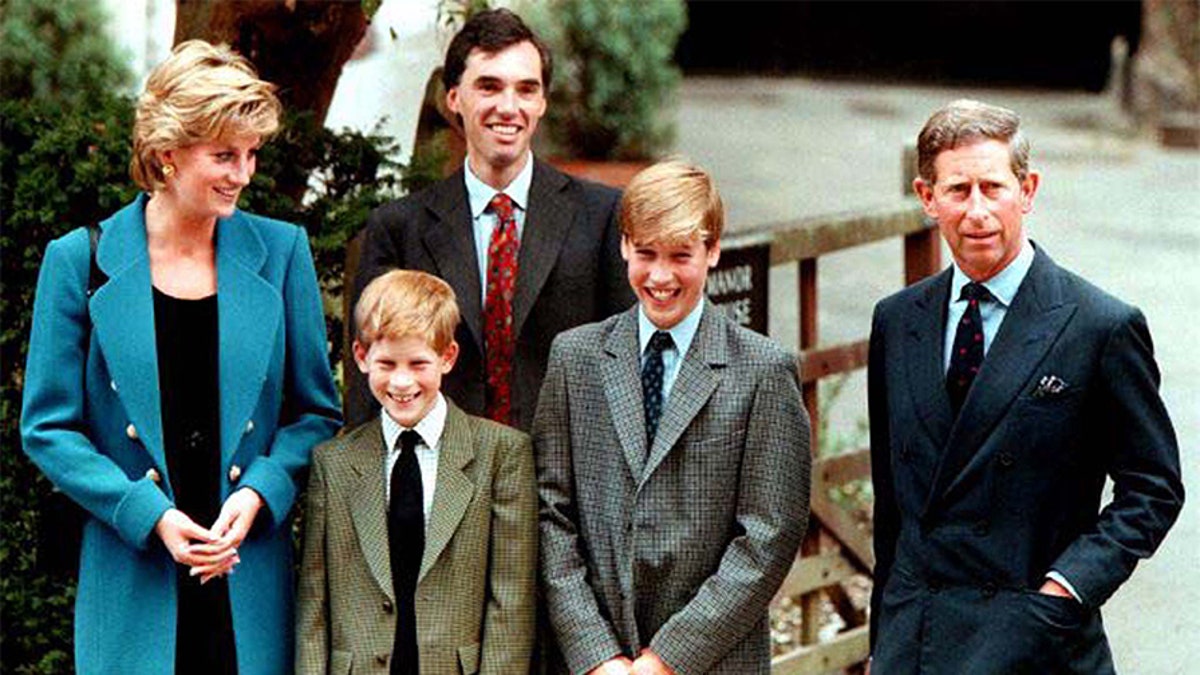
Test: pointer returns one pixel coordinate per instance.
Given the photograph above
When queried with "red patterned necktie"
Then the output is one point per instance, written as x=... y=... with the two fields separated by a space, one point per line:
x=497 y=309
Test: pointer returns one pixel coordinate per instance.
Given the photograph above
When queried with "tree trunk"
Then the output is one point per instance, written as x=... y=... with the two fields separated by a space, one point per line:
x=299 y=45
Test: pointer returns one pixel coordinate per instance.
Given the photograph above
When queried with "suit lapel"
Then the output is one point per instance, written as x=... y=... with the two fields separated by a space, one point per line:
x=694 y=385
x=549 y=216
x=1032 y=324
x=449 y=240
x=248 y=318
x=454 y=489
x=368 y=504
x=622 y=381
x=122 y=312
x=924 y=345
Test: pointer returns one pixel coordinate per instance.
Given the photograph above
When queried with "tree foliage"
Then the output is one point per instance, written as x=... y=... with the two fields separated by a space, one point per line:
x=615 y=76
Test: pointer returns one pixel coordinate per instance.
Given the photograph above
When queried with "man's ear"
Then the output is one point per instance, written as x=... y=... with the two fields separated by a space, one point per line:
x=1029 y=188
x=452 y=100
x=925 y=193
x=449 y=357
x=360 y=357
x=626 y=248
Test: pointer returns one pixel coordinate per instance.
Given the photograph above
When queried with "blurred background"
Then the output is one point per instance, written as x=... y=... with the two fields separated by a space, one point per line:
x=803 y=112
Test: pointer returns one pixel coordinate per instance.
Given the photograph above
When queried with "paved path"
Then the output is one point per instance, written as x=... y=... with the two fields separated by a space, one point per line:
x=1113 y=207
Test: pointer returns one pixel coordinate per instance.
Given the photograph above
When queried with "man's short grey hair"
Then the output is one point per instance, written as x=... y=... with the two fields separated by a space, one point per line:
x=963 y=122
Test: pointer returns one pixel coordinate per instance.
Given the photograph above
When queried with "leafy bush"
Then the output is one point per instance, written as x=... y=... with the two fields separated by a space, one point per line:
x=614 y=75
x=64 y=156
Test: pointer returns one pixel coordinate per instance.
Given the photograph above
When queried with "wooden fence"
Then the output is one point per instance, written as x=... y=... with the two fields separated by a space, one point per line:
x=838 y=545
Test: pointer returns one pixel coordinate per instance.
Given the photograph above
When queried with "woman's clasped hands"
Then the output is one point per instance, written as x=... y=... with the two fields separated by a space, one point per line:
x=210 y=552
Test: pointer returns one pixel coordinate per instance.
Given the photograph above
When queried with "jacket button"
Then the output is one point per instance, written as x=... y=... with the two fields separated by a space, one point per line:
x=381 y=659
x=131 y=431
x=981 y=528
x=152 y=474
x=235 y=472
x=1006 y=460
x=387 y=606
x=989 y=590
x=249 y=426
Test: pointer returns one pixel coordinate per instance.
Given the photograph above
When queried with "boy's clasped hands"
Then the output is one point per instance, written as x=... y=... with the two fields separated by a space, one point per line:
x=210 y=552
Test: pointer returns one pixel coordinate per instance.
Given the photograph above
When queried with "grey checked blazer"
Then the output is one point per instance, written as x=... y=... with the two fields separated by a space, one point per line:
x=680 y=548
x=476 y=589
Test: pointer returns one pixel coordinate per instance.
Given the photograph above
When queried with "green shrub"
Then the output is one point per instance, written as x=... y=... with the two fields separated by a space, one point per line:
x=58 y=169
x=614 y=78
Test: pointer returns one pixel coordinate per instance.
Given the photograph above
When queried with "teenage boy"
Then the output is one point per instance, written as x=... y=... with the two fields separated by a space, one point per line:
x=420 y=545
x=673 y=459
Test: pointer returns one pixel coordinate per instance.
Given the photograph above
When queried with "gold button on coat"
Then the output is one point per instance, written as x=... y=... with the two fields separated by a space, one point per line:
x=249 y=426
x=131 y=431
x=235 y=472
x=153 y=475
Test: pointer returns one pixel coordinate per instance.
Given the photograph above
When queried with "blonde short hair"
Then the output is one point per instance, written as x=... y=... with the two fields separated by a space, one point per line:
x=201 y=93
x=402 y=303
x=672 y=202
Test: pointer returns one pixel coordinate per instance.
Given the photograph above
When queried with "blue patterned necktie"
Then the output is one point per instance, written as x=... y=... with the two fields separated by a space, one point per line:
x=652 y=382
x=967 y=355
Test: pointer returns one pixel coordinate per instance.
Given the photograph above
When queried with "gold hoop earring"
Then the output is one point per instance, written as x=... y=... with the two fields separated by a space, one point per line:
x=168 y=170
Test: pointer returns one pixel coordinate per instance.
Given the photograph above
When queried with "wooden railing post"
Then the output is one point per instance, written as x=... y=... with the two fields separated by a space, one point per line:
x=922 y=255
x=810 y=603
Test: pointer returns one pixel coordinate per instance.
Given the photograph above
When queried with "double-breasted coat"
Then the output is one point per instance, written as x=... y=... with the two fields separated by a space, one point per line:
x=92 y=422
x=972 y=512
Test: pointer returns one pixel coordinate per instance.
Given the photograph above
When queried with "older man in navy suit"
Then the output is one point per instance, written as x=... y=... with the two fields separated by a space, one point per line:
x=1002 y=393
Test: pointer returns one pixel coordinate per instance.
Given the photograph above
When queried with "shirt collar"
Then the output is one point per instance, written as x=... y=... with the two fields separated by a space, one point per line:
x=1004 y=285
x=682 y=333
x=429 y=428
x=480 y=194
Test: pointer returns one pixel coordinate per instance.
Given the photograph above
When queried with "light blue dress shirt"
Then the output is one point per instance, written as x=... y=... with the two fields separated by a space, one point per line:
x=682 y=334
x=1003 y=288
x=479 y=195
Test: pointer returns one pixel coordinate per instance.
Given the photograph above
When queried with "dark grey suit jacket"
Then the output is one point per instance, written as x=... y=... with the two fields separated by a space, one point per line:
x=971 y=513
x=570 y=272
x=678 y=547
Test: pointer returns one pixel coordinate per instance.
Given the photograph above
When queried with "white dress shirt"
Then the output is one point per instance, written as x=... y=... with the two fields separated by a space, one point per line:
x=430 y=430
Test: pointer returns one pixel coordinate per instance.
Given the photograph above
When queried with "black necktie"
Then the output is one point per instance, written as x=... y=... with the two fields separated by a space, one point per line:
x=406 y=543
x=652 y=381
x=967 y=354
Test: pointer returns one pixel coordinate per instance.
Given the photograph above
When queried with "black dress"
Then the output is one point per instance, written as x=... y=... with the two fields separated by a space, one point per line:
x=186 y=336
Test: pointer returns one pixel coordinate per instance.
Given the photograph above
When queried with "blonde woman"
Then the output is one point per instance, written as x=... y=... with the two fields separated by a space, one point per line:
x=179 y=403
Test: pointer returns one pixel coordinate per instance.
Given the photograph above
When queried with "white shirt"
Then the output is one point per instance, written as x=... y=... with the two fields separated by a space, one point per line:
x=430 y=430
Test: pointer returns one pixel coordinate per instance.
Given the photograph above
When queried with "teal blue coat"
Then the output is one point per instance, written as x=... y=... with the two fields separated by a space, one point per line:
x=91 y=421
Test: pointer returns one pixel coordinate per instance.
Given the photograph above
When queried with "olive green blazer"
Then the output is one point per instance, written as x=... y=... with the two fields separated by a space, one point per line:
x=475 y=593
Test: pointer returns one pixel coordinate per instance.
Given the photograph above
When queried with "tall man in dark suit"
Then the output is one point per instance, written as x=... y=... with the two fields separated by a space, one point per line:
x=1002 y=393
x=528 y=250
